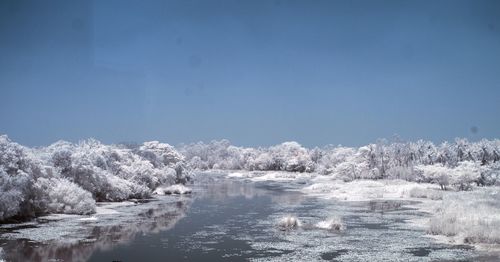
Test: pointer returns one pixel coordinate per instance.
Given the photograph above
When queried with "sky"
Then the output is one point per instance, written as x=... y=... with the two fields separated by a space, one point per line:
x=254 y=72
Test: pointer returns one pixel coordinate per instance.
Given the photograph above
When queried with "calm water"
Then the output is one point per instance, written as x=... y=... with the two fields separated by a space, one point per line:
x=231 y=220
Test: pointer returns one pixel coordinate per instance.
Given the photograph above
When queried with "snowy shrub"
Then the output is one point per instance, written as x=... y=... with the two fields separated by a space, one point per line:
x=164 y=156
x=173 y=189
x=291 y=156
x=262 y=162
x=435 y=174
x=466 y=174
x=334 y=224
x=491 y=175
x=115 y=173
x=289 y=222
x=197 y=163
x=347 y=171
x=160 y=154
x=13 y=194
x=53 y=195
x=18 y=169
x=69 y=178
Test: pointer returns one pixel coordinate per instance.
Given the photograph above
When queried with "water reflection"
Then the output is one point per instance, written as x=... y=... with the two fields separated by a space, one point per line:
x=78 y=239
x=215 y=188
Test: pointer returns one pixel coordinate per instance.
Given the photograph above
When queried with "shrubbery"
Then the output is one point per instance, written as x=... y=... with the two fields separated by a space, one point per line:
x=461 y=164
x=69 y=178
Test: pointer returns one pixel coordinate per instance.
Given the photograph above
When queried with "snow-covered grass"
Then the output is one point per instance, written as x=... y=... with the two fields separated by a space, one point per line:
x=421 y=192
x=361 y=190
x=469 y=217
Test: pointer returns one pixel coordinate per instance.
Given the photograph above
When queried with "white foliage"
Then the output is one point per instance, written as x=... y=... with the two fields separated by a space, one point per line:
x=334 y=223
x=57 y=195
x=173 y=189
x=289 y=222
x=437 y=173
x=69 y=178
x=12 y=193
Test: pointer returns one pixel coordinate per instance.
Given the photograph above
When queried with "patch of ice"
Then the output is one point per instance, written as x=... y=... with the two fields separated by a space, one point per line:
x=92 y=218
x=56 y=217
x=238 y=174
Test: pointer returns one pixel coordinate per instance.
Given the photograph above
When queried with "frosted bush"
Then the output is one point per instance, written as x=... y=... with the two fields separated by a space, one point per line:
x=334 y=224
x=291 y=156
x=289 y=222
x=113 y=173
x=435 y=174
x=164 y=156
x=13 y=194
x=173 y=189
x=53 y=195
x=18 y=169
x=466 y=174
x=491 y=175
x=160 y=154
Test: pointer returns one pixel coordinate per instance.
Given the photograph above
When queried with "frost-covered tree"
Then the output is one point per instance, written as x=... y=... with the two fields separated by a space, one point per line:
x=436 y=173
x=466 y=174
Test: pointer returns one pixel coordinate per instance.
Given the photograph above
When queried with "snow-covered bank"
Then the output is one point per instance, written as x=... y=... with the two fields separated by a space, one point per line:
x=459 y=164
x=464 y=217
x=69 y=178
x=469 y=217
x=63 y=237
x=173 y=189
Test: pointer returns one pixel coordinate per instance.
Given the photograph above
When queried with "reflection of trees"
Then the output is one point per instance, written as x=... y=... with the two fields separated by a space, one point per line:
x=226 y=188
x=156 y=217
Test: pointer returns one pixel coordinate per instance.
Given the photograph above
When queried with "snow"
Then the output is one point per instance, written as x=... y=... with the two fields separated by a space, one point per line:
x=173 y=189
x=469 y=217
x=334 y=223
x=289 y=222
x=361 y=190
x=91 y=218
x=420 y=192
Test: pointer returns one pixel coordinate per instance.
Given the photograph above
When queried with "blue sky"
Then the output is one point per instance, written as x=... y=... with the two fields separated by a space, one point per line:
x=254 y=72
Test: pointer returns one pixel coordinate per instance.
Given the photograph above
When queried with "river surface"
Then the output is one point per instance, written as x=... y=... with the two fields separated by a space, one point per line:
x=232 y=220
